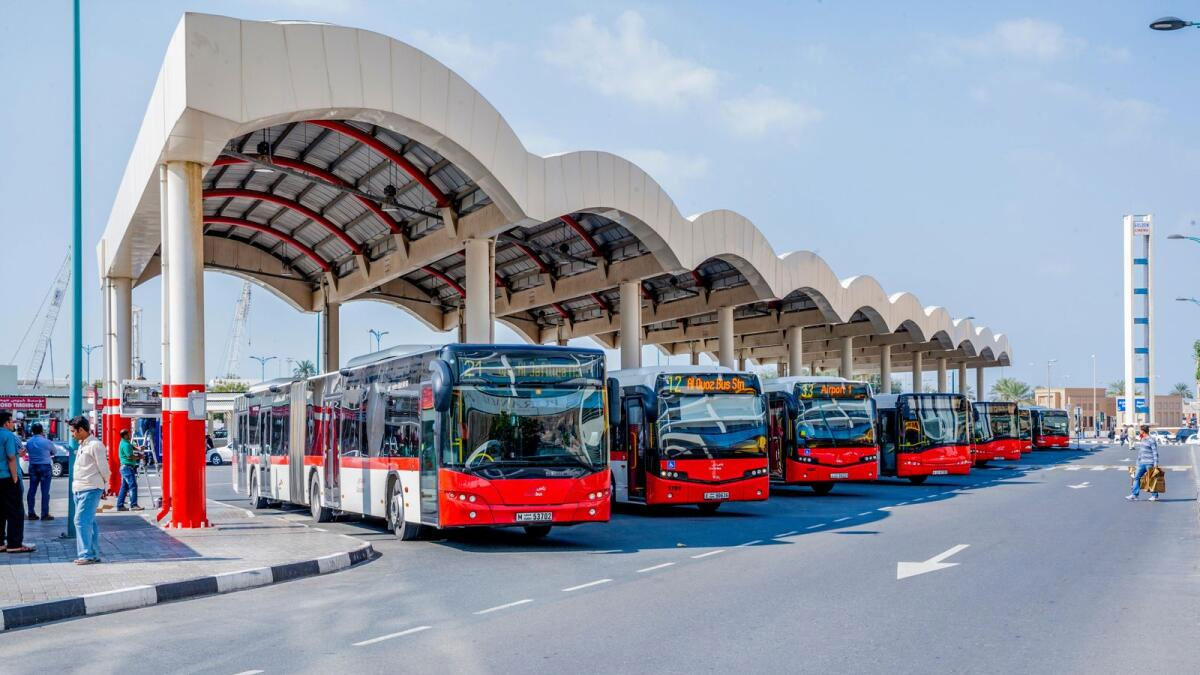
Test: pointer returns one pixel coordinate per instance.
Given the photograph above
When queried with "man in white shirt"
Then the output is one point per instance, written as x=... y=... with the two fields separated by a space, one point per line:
x=91 y=476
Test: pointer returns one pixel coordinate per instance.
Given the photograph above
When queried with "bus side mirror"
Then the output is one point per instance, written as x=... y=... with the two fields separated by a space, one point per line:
x=614 y=402
x=440 y=383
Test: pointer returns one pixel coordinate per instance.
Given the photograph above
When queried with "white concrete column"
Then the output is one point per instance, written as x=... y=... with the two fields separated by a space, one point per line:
x=331 y=337
x=561 y=337
x=119 y=357
x=885 y=369
x=918 y=370
x=941 y=374
x=631 y=324
x=725 y=336
x=962 y=378
x=481 y=290
x=695 y=353
x=741 y=362
x=164 y=379
x=847 y=366
x=795 y=349
x=980 y=392
x=185 y=267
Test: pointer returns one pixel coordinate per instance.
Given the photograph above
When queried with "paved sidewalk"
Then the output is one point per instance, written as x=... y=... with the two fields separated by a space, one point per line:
x=136 y=551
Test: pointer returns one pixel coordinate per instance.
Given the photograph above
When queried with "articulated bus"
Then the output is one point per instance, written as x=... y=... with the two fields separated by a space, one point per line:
x=1000 y=419
x=821 y=431
x=922 y=435
x=434 y=437
x=1050 y=427
x=1025 y=428
x=688 y=435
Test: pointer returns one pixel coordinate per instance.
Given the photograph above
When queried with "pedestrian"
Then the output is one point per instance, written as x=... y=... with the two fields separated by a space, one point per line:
x=1147 y=458
x=41 y=455
x=130 y=459
x=91 y=475
x=12 y=512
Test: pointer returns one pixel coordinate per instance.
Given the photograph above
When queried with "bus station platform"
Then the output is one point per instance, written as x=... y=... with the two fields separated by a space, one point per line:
x=144 y=564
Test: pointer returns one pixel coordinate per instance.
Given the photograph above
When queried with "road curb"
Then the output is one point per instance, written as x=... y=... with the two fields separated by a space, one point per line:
x=32 y=614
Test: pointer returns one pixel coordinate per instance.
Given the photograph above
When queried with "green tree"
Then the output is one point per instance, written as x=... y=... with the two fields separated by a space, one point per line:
x=1116 y=388
x=1182 y=389
x=304 y=369
x=229 y=387
x=1196 y=357
x=1011 y=389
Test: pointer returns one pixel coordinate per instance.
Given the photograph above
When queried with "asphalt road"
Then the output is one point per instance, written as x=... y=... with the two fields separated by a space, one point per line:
x=1048 y=578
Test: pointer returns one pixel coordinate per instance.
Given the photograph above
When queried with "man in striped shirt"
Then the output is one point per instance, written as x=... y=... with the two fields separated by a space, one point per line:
x=1147 y=457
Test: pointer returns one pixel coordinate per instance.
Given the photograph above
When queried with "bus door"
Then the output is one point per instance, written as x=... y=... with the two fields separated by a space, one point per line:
x=777 y=424
x=237 y=442
x=637 y=441
x=331 y=460
x=887 y=440
x=431 y=439
x=296 y=444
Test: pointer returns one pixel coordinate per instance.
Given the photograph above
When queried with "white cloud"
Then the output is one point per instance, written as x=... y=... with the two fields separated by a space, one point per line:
x=460 y=53
x=1032 y=39
x=625 y=61
x=672 y=171
x=761 y=112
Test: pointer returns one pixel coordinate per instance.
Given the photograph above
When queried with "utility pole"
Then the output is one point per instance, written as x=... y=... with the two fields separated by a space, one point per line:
x=1095 y=413
x=89 y=349
x=378 y=335
x=76 y=404
x=1049 y=364
x=262 y=361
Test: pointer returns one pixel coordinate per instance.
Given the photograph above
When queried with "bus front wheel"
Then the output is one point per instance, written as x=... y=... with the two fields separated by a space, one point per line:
x=709 y=508
x=537 y=531
x=822 y=488
x=257 y=501
x=917 y=480
x=404 y=530
x=321 y=514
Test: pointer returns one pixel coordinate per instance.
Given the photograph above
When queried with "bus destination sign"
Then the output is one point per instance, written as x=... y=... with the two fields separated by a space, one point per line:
x=688 y=383
x=502 y=368
x=850 y=390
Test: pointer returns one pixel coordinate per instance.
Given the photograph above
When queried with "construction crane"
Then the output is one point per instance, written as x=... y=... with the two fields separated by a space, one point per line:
x=233 y=348
x=58 y=293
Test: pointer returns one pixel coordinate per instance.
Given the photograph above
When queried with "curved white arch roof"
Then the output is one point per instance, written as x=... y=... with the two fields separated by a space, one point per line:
x=223 y=77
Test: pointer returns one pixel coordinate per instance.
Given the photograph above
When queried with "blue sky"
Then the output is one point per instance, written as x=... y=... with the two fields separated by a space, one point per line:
x=979 y=154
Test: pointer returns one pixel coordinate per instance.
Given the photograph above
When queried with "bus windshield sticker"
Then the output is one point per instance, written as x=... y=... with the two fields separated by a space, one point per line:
x=716 y=383
x=850 y=390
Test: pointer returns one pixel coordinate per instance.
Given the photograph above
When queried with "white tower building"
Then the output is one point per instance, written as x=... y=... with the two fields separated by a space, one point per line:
x=1139 y=321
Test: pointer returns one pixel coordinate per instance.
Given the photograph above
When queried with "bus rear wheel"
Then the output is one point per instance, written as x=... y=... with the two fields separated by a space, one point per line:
x=822 y=488
x=709 y=508
x=404 y=530
x=257 y=501
x=917 y=480
x=321 y=514
x=537 y=531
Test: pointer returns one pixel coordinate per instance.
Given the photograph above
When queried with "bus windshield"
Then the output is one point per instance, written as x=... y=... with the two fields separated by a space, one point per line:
x=1024 y=425
x=1002 y=419
x=527 y=431
x=933 y=420
x=1054 y=424
x=835 y=422
x=711 y=426
x=981 y=427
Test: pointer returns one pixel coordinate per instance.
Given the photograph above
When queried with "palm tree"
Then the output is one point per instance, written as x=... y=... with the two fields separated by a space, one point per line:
x=1196 y=356
x=1183 y=390
x=1116 y=388
x=1011 y=389
x=304 y=369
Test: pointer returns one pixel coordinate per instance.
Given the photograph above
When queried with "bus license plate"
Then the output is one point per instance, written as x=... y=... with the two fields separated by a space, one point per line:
x=836 y=476
x=535 y=517
x=716 y=495
x=940 y=472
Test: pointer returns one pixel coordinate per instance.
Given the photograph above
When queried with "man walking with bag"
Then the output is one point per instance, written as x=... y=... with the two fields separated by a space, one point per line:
x=91 y=475
x=1147 y=459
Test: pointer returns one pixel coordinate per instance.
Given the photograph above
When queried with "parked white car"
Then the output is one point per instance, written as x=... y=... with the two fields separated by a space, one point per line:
x=219 y=456
x=1194 y=439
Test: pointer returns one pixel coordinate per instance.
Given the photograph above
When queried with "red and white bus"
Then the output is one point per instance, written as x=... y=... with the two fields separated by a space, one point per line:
x=922 y=435
x=435 y=437
x=1051 y=428
x=999 y=419
x=1025 y=428
x=688 y=435
x=821 y=432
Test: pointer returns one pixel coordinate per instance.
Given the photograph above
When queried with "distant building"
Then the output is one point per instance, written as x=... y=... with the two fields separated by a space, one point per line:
x=1168 y=409
x=49 y=403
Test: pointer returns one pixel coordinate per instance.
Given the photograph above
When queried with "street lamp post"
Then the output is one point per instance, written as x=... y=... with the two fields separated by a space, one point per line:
x=378 y=335
x=1095 y=413
x=1049 y=363
x=262 y=362
x=1184 y=236
x=88 y=349
x=1171 y=23
x=1191 y=300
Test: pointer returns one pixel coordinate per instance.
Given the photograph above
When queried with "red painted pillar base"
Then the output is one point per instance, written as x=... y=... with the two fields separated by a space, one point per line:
x=112 y=443
x=188 y=490
x=164 y=467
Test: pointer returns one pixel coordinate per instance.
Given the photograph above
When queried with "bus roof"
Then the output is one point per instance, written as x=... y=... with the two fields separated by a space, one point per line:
x=646 y=376
x=266 y=385
x=410 y=350
x=889 y=400
x=787 y=383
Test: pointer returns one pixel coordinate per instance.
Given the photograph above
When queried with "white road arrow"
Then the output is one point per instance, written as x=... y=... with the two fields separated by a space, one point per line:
x=1081 y=485
x=912 y=569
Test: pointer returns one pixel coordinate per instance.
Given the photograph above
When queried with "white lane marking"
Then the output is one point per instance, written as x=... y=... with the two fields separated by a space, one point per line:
x=838 y=520
x=885 y=508
x=381 y=638
x=320 y=529
x=813 y=527
x=911 y=569
x=1081 y=485
x=1072 y=468
x=249 y=514
x=749 y=543
x=1099 y=468
x=615 y=550
x=655 y=567
x=864 y=513
x=902 y=504
x=587 y=585
x=705 y=555
x=497 y=608
x=786 y=534
x=248 y=672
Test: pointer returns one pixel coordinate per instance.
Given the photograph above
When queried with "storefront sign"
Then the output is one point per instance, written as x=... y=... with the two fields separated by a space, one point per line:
x=23 y=402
